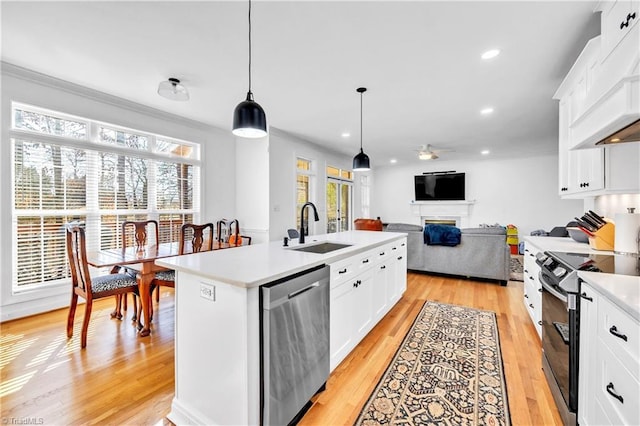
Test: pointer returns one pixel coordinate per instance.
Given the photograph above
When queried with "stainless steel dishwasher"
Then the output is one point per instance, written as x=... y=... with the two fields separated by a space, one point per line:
x=294 y=342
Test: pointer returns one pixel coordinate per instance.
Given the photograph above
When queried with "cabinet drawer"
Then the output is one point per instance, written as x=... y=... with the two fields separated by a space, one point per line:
x=366 y=259
x=613 y=381
x=614 y=326
x=342 y=271
x=617 y=22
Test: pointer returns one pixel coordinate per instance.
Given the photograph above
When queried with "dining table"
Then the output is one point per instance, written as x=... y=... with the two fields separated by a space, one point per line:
x=142 y=260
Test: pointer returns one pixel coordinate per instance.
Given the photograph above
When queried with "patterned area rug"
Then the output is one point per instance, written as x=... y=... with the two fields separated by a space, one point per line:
x=447 y=371
x=516 y=267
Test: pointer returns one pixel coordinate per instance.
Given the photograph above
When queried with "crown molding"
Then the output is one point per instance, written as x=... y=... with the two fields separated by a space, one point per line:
x=76 y=89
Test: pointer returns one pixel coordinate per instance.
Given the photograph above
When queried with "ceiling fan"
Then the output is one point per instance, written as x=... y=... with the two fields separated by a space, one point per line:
x=428 y=152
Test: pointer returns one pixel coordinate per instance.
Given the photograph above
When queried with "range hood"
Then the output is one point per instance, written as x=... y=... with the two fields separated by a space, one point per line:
x=613 y=118
x=631 y=133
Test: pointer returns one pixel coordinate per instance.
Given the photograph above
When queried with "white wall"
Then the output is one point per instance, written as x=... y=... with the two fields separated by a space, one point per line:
x=19 y=85
x=252 y=187
x=283 y=150
x=522 y=192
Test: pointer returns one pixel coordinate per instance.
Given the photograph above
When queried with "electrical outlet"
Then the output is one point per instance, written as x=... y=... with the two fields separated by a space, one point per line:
x=207 y=291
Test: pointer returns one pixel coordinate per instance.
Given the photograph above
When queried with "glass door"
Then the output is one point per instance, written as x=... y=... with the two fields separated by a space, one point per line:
x=338 y=205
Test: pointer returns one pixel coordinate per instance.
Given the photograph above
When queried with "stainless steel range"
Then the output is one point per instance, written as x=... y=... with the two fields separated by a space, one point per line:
x=561 y=318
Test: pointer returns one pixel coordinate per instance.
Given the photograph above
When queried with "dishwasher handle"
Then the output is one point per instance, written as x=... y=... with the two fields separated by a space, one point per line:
x=302 y=290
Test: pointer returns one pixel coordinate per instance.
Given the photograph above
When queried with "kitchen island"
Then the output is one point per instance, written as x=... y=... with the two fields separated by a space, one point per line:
x=217 y=345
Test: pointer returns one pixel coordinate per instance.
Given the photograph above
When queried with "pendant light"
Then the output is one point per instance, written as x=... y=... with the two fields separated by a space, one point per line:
x=249 y=120
x=361 y=161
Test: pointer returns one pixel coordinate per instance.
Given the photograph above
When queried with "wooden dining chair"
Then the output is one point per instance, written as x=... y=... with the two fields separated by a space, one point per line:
x=235 y=239
x=82 y=285
x=138 y=234
x=197 y=236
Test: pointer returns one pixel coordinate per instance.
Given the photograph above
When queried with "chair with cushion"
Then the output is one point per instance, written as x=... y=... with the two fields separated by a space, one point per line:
x=90 y=288
x=235 y=239
x=368 y=224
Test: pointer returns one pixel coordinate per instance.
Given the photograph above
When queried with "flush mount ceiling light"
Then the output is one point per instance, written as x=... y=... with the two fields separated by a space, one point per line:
x=249 y=119
x=173 y=90
x=361 y=160
x=485 y=152
x=486 y=111
x=489 y=54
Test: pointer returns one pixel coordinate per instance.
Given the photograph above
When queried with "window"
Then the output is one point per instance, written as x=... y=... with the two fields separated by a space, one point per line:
x=303 y=189
x=339 y=205
x=365 y=196
x=69 y=169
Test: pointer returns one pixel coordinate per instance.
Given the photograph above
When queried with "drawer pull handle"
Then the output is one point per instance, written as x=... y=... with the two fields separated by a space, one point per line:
x=531 y=306
x=585 y=297
x=402 y=245
x=630 y=16
x=365 y=261
x=530 y=277
x=526 y=271
x=539 y=322
x=381 y=253
x=393 y=248
x=610 y=390
x=540 y=290
x=357 y=284
x=343 y=271
x=383 y=267
x=614 y=330
x=526 y=295
x=399 y=257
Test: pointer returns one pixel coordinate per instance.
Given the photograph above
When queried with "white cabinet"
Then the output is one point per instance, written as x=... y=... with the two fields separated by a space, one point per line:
x=609 y=369
x=532 y=296
x=618 y=21
x=363 y=289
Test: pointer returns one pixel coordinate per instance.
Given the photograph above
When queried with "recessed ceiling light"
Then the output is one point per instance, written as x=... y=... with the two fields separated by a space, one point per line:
x=489 y=54
x=393 y=161
x=485 y=152
x=615 y=140
x=346 y=134
x=486 y=111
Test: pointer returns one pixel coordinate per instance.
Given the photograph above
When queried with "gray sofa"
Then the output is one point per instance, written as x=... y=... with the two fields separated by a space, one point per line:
x=482 y=253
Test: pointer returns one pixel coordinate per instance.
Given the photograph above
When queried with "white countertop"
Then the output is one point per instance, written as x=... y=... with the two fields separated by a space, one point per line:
x=255 y=265
x=564 y=244
x=622 y=290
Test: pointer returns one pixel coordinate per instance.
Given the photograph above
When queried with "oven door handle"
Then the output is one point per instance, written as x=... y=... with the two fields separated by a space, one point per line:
x=552 y=290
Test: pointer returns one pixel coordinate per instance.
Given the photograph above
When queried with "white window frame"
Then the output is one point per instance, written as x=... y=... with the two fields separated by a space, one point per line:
x=311 y=174
x=92 y=212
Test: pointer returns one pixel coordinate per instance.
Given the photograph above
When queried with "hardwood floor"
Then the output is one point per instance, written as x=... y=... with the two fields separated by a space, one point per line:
x=123 y=379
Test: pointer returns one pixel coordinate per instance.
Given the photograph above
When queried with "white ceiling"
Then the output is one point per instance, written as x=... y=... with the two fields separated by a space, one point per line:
x=419 y=60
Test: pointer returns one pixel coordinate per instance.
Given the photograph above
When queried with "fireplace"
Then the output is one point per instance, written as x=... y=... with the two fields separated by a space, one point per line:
x=452 y=222
x=443 y=212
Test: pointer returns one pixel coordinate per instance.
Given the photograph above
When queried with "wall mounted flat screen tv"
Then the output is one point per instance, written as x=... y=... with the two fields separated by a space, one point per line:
x=439 y=187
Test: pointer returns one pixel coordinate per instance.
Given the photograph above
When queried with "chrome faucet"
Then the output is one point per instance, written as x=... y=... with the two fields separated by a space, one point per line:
x=315 y=217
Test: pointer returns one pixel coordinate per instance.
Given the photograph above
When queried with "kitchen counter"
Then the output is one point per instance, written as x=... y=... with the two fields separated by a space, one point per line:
x=218 y=315
x=252 y=266
x=622 y=290
x=564 y=244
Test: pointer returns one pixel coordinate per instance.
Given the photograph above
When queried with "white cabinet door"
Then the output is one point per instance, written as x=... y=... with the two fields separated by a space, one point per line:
x=379 y=297
x=588 y=336
x=590 y=169
x=401 y=271
x=362 y=304
x=341 y=326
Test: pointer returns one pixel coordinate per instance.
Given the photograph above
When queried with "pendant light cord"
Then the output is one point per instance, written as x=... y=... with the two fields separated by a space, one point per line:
x=249 y=46
x=361 y=121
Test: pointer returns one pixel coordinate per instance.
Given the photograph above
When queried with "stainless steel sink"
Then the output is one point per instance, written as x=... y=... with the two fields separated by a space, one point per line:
x=321 y=248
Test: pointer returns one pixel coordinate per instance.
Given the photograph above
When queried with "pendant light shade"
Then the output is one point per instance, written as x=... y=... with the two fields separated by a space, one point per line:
x=173 y=90
x=361 y=160
x=249 y=119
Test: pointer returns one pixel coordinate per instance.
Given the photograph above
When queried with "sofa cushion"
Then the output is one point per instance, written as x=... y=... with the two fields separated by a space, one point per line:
x=485 y=231
x=403 y=227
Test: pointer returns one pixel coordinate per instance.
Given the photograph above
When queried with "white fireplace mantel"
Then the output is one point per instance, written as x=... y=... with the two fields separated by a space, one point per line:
x=457 y=210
